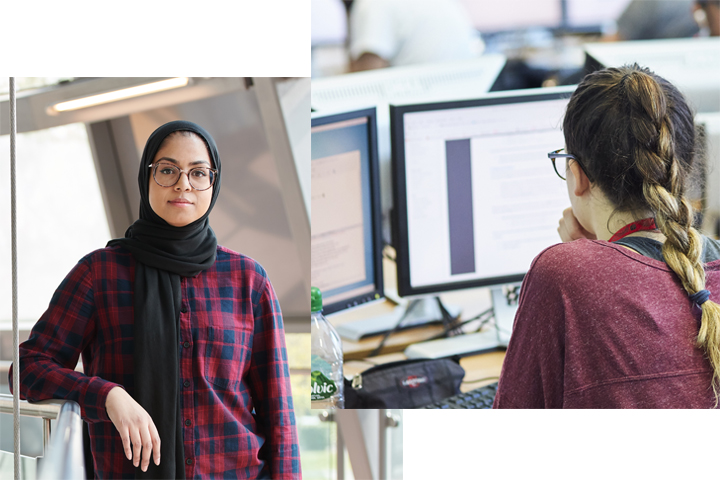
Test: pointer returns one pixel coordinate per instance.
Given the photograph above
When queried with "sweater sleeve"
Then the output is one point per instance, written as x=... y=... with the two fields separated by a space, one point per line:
x=270 y=384
x=532 y=372
x=49 y=357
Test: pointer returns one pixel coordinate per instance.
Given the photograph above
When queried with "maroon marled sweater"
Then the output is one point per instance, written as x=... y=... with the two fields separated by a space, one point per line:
x=600 y=326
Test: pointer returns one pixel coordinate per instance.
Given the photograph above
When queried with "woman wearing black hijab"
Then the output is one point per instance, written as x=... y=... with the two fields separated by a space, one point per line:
x=182 y=340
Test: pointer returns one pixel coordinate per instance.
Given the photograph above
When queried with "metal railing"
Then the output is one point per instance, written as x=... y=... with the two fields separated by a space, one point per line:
x=65 y=459
x=353 y=434
x=63 y=454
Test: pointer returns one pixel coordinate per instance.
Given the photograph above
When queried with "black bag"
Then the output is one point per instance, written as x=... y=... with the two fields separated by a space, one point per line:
x=404 y=384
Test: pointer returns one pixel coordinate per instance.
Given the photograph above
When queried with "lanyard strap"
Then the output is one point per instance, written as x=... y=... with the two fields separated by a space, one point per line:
x=639 y=226
x=699 y=297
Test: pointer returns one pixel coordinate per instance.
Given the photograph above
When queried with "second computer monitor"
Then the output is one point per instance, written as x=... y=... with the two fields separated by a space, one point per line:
x=346 y=244
x=476 y=197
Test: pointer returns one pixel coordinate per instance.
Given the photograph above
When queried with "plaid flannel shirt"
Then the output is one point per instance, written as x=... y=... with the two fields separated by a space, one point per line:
x=237 y=409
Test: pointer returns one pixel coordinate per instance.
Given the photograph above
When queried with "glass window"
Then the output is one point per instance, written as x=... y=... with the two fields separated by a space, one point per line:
x=60 y=215
x=29 y=83
x=317 y=439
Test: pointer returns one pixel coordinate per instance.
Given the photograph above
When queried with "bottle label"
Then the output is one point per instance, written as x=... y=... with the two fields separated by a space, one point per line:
x=320 y=379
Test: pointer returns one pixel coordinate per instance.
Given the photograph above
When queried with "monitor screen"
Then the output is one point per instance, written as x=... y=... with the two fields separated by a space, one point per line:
x=346 y=244
x=593 y=13
x=508 y=15
x=328 y=20
x=476 y=197
x=422 y=83
x=691 y=64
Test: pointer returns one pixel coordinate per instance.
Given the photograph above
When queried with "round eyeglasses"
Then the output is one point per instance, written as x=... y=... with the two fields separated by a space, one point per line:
x=167 y=175
x=561 y=168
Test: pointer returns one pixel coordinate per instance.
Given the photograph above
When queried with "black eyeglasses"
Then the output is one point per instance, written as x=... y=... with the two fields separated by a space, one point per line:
x=167 y=175
x=561 y=169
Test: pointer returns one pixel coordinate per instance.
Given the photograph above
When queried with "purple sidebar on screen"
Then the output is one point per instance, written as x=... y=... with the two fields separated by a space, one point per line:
x=460 y=207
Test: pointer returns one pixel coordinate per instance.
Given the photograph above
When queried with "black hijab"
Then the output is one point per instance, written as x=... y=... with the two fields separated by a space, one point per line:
x=163 y=254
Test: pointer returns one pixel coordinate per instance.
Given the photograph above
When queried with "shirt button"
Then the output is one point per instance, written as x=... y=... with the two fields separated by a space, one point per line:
x=188 y=461
x=183 y=309
x=186 y=383
x=186 y=344
x=188 y=423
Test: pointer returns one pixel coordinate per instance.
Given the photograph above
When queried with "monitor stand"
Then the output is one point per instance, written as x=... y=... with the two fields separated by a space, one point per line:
x=420 y=311
x=505 y=305
x=505 y=301
x=460 y=345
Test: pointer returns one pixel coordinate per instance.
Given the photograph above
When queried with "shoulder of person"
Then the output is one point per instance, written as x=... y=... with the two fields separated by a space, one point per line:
x=563 y=257
x=238 y=261
x=115 y=254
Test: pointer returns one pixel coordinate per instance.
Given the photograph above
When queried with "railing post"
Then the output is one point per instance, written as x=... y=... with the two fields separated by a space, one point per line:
x=46 y=435
x=16 y=329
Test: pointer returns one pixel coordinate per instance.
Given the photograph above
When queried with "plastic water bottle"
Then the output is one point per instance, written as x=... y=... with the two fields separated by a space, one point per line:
x=326 y=377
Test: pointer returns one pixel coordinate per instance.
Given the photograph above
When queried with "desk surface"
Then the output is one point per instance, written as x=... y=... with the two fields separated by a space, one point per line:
x=397 y=342
x=480 y=369
x=472 y=302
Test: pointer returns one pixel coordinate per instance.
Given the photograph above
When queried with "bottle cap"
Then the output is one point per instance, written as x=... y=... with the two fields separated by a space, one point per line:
x=315 y=299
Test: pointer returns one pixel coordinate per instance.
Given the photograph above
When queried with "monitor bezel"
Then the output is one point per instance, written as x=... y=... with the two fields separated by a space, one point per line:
x=375 y=209
x=399 y=217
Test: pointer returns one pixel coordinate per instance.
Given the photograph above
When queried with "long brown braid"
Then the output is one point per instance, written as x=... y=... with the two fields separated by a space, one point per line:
x=635 y=136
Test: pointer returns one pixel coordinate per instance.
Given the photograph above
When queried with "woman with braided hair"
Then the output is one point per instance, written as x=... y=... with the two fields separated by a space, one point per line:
x=624 y=313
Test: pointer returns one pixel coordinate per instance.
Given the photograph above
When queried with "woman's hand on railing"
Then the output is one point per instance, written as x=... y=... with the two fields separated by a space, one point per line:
x=135 y=427
x=570 y=229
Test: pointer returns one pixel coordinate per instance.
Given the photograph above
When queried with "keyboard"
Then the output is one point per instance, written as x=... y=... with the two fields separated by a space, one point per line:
x=479 y=398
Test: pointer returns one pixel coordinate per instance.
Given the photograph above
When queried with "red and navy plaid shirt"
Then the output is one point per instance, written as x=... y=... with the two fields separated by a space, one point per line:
x=237 y=409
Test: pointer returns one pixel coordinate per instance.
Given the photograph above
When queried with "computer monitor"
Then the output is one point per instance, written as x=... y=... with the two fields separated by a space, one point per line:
x=476 y=197
x=691 y=64
x=346 y=244
x=508 y=15
x=708 y=125
x=454 y=80
x=593 y=15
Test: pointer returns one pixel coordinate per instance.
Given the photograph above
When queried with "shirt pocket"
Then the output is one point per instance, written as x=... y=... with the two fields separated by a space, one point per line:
x=227 y=355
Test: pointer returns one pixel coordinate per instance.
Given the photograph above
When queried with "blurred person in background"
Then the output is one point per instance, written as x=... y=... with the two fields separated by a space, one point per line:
x=711 y=9
x=659 y=19
x=653 y=19
x=386 y=33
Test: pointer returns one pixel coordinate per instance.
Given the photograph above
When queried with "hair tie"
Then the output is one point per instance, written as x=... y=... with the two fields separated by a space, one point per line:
x=700 y=297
